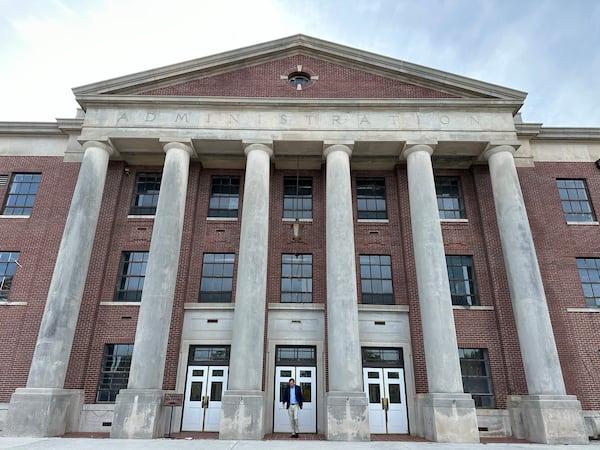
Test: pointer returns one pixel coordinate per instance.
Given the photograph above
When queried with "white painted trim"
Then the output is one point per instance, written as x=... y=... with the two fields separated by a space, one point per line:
x=590 y=310
x=209 y=306
x=296 y=306
x=454 y=220
x=383 y=308
x=367 y=221
x=221 y=219
x=595 y=222
x=120 y=303
x=8 y=216
x=286 y=219
x=476 y=308
x=3 y=303
x=140 y=216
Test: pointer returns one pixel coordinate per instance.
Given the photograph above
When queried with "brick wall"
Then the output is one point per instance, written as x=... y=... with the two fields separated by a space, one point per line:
x=264 y=80
x=558 y=244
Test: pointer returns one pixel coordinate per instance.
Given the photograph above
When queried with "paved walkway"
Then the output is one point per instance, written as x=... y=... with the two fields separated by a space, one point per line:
x=213 y=444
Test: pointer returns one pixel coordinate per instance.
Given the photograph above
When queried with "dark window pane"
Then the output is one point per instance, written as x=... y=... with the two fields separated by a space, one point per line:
x=394 y=391
x=196 y=391
x=132 y=272
x=114 y=374
x=216 y=391
x=463 y=287
x=370 y=198
x=575 y=201
x=476 y=376
x=450 y=199
x=589 y=274
x=296 y=278
x=145 y=196
x=22 y=191
x=8 y=266
x=216 y=284
x=297 y=197
x=376 y=279
x=224 y=195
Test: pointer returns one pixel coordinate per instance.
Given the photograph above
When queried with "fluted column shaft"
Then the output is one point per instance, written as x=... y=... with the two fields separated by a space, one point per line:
x=536 y=339
x=435 y=302
x=344 y=355
x=154 y=319
x=53 y=347
x=246 y=362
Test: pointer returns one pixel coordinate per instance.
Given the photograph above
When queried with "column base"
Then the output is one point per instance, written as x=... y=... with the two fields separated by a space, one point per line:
x=548 y=419
x=347 y=416
x=138 y=414
x=242 y=415
x=43 y=412
x=447 y=418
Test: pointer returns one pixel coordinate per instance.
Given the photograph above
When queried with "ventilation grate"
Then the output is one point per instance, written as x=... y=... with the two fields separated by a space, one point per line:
x=3 y=180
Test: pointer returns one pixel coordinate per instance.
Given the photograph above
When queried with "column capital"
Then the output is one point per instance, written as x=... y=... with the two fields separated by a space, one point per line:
x=337 y=147
x=418 y=146
x=186 y=147
x=106 y=145
x=266 y=146
x=497 y=147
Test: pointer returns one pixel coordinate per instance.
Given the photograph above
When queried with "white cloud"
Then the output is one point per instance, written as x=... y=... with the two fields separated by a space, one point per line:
x=547 y=48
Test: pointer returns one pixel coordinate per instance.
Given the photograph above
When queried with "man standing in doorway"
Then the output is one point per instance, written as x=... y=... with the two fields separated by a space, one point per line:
x=292 y=399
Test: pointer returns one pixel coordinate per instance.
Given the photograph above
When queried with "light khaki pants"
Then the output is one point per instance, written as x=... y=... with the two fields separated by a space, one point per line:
x=293 y=415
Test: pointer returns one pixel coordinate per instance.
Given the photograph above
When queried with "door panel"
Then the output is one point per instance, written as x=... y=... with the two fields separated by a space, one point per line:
x=373 y=383
x=195 y=386
x=203 y=392
x=217 y=383
x=397 y=418
x=386 y=392
x=305 y=378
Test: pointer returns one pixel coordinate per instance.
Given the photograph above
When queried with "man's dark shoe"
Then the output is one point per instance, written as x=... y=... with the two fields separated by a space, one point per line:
x=295 y=436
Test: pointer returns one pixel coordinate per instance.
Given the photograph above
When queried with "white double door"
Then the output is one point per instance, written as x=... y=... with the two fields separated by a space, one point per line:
x=386 y=392
x=305 y=377
x=203 y=393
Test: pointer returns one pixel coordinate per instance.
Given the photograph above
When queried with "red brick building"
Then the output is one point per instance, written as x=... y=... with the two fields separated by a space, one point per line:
x=391 y=236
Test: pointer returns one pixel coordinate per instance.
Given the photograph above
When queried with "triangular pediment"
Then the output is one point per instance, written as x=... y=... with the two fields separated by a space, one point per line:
x=333 y=71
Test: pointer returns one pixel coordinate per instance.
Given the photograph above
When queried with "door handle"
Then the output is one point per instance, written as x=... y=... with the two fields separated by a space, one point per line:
x=205 y=401
x=385 y=404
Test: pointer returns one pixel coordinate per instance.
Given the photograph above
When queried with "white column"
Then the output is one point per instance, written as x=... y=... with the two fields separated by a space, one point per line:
x=550 y=416
x=435 y=301
x=347 y=414
x=242 y=410
x=143 y=395
x=53 y=347
x=448 y=413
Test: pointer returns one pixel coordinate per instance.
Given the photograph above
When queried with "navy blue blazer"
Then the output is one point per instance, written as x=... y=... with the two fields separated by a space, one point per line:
x=286 y=396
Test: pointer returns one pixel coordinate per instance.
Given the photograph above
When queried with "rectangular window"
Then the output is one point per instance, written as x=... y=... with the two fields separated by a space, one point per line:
x=449 y=198
x=370 y=198
x=217 y=277
x=376 y=279
x=21 y=194
x=8 y=265
x=224 y=197
x=131 y=276
x=296 y=278
x=575 y=201
x=114 y=373
x=589 y=274
x=476 y=378
x=145 y=198
x=462 y=280
x=297 y=197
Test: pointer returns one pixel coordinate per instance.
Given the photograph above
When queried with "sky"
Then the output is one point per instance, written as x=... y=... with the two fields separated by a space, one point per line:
x=547 y=48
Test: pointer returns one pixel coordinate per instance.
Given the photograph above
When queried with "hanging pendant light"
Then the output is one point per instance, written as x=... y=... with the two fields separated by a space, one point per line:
x=297 y=225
